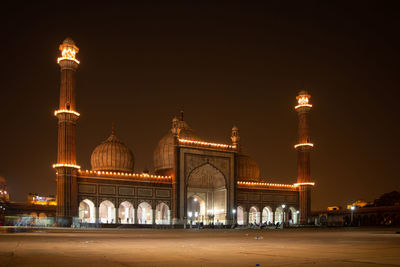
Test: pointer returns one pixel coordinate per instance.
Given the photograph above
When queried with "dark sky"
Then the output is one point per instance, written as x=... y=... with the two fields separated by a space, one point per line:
x=227 y=63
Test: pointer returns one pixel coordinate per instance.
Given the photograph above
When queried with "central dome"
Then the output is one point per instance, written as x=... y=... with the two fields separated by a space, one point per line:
x=112 y=155
x=163 y=157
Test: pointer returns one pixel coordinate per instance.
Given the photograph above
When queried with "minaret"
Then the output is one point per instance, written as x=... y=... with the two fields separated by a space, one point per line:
x=235 y=137
x=175 y=129
x=303 y=148
x=66 y=168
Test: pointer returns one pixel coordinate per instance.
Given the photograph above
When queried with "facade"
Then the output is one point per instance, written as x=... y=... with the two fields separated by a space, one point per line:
x=193 y=181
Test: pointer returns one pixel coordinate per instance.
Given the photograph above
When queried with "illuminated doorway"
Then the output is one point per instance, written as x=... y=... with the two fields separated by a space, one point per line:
x=206 y=196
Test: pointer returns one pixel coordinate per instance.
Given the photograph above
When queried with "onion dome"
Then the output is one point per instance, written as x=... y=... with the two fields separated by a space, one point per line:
x=112 y=155
x=163 y=157
x=69 y=41
x=247 y=168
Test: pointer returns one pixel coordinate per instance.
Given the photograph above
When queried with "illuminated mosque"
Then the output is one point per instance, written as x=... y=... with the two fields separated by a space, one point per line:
x=194 y=181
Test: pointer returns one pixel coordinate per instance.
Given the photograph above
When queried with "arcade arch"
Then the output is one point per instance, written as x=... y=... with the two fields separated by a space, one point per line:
x=267 y=215
x=87 y=211
x=107 y=212
x=144 y=213
x=254 y=215
x=162 y=213
x=126 y=213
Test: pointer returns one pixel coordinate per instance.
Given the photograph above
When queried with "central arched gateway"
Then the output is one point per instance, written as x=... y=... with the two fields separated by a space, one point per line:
x=206 y=196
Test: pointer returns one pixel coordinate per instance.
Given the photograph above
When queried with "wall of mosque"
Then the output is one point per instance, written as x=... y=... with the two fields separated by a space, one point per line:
x=117 y=192
x=247 y=198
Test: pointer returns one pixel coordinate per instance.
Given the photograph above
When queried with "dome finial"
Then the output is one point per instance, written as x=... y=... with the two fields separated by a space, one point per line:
x=112 y=128
x=182 y=113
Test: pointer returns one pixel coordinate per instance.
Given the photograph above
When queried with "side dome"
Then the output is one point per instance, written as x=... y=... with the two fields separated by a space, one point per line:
x=112 y=155
x=163 y=156
x=247 y=168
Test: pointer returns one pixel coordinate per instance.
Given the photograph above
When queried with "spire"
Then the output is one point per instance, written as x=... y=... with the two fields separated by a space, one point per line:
x=235 y=137
x=175 y=126
x=112 y=128
x=182 y=113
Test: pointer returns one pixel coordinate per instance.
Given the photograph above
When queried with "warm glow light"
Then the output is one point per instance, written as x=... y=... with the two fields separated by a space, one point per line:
x=66 y=111
x=305 y=183
x=119 y=174
x=68 y=53
x=273 y=184
x=66 y=165
x=201 y=143
x=303 y=100
x=303 y=105
x=265 y=184
x=304 y=144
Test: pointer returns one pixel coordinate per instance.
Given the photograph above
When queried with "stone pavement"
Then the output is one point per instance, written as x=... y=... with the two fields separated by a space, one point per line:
x=147 y=247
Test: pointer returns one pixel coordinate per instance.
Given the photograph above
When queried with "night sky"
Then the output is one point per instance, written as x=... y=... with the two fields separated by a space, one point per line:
x=229 y=63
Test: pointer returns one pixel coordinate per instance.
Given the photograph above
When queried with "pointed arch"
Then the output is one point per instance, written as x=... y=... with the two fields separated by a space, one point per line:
x=107 y=212
x=87 y=211
x=126 y=213
x=267 y=215
x=162 y=213
x=254 y=215
x=144 y=213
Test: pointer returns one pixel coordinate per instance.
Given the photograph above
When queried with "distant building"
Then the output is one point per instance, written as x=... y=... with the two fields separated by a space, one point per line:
x=359 y=204
x=385 y=211
x=4 y=195
x=35 y=199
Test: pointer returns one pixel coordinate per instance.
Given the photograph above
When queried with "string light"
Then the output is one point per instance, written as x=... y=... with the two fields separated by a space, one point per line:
x=265 y=184
x=305 y=183
x=59 y=165
x=66 y=111
x=201 y=143
x=303 y=105
x=124 y=174
x=304 y=144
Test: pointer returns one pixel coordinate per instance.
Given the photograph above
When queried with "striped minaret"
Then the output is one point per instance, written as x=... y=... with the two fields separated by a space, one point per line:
x=303 y=148
x=66 y=167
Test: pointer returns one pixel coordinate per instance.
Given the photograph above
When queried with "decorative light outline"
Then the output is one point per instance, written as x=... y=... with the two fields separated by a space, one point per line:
x=59 y=165
x=68 y=53
x=304 y=144
x=304 y=183
x=66 y=111
x=202 y=143
x=303 y=105
x=124 y=174
x=265 y=184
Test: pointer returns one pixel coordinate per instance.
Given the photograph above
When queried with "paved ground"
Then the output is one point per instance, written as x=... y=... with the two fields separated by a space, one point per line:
x=145 y=247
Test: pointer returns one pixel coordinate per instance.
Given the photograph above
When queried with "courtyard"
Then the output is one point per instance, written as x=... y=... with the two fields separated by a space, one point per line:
x=208 y=247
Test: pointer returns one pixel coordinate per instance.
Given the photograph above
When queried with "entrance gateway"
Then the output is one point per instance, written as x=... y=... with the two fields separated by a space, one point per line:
x=206 y=196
